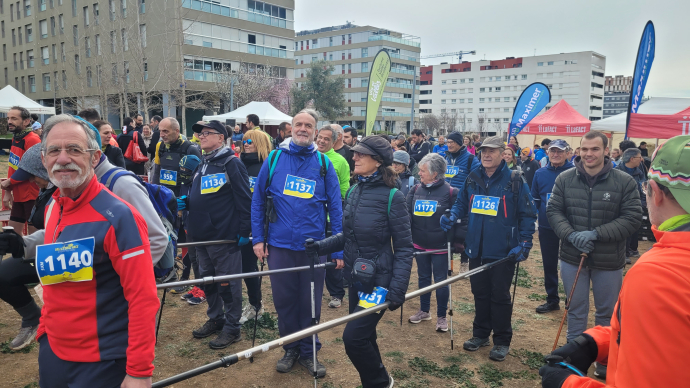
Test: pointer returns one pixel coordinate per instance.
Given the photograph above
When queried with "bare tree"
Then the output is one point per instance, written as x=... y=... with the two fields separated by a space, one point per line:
x=430 y=122
x=251 y=82
x=482 y=123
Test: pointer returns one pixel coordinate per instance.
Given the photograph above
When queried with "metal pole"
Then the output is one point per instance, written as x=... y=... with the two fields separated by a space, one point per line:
x=234 y=358
x=430 y=252
x=517 y=271
x=310 y=242
x=216 y=279
x=414 y=89
x=450 y=286
x=203 y=243
x=160 y=314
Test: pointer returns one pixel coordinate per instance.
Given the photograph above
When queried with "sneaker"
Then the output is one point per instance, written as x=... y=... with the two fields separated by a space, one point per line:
x=249 y=313
x=600 y=371
x=420 y=316
x=309 y=364
x=464 y=267
x=634 y=253
x=335 y=303
x=499 y=352
x=391 y=382
x=209 y=328
x=548 y=307
x=628 y=261
x=475 y=343
x=180 y=290
x=288 y=361
x=224 y=340
x=198 y=296
x=24 y=338
x=442 y=324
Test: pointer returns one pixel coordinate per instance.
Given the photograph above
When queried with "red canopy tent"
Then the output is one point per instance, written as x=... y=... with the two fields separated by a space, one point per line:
x=659 y=126
x=561 y=120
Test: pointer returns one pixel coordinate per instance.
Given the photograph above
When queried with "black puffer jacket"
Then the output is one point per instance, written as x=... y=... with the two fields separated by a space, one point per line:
x=368 y=229
x=426 y=225
x=611 y=207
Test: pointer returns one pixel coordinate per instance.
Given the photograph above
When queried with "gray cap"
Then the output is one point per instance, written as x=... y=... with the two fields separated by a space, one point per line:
x=401 y=157
x=493 y=142
x=31 y=165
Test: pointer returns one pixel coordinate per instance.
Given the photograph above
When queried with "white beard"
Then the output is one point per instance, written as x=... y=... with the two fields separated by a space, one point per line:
x=66 y=182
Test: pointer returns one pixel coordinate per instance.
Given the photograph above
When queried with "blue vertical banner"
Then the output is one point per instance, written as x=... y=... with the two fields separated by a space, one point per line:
x=643 y=64
x=532 y=100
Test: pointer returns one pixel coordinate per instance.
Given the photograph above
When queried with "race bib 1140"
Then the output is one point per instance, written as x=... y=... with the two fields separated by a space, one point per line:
x=452 y=171
x=299 y=187
x=377 y=297
x=425 y=208
x=70 y=261
x=212 y=183
x=168 y=177
x=13 y=161
x=482 y=204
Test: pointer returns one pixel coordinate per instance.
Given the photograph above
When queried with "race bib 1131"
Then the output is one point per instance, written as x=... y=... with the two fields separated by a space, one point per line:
x=70 y=261
x=299 y=187
x=482 y=204
x=377 y=297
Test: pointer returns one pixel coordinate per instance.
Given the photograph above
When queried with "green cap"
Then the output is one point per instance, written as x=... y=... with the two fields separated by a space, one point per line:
x=671 y=168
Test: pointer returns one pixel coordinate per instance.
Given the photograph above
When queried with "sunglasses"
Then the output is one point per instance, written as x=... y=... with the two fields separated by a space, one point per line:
x=248 y=141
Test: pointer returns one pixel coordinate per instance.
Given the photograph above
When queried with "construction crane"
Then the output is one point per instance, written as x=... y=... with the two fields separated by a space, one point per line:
x=459 y=54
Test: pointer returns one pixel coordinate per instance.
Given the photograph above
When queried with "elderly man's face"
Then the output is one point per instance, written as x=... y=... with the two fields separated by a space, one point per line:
x=303 y=128
x=168 y=134
x=67 y=157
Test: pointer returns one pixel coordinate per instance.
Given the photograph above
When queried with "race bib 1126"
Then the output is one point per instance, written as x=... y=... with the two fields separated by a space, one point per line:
x=70 y=261
x=299 y=187
x=212 y=183
x=168 y=177
x=425 y=208
x=482 y=204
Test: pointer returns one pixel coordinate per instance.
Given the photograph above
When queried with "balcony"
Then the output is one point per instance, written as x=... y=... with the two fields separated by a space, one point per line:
x=393 y=39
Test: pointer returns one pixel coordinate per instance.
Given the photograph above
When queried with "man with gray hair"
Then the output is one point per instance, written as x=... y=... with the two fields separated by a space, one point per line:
x=296 y=187
x=629 y=163
x=341 y=148
x=100 y=251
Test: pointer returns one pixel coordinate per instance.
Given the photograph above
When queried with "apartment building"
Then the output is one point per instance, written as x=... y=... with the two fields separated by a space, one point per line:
x=351 y=50
x=480 y=96
x=138 y=55
x=617 y=84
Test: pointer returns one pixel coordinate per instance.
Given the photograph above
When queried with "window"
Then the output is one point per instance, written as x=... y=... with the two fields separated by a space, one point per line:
x=27 y=7
x=124 y=8
x=89 y=77
x=506 y=99
x=4 y=53
x=86 y=16
x=524 y=76
x=462 y=100
x=29 y=58
x=453 y=101
x=365 y=52
x=2 y=26
x=54 y=47
x=142 y=35
x=482 y=100
x=455 y=82
x=126 y=71
x=146 y=71
x=45 y=55
x=95 y=13
x=142 y=6
x=481 y=110
x=30 y=33
x=2 y=10
x=470 y=80
x=87 y=46
x=99 y=72
x=482 y=90
x=540 y=63
x=111 y=9
x=365 y=67
x=443 y=82
x=6 y=77
x=497 y=89
x=443 y=101
x=98 y=44
x=46 y=82
x=506 y=109
x=19 y=33
x=125 y=42
x=74 y=8
x=32 y=84
x=251 y=38
x=62 y=51
x=550 y=63
x=43 y=28
x=443 y=92
x=61 y=22
x=470 y=100
x=75 y=32
x=113 y=42
x=64 y=79
x=330 y=57
x=77 y=64
x=52 y=25
x=455 y=91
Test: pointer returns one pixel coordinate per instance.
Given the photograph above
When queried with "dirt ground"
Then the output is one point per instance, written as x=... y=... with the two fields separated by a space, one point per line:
x=416 y=355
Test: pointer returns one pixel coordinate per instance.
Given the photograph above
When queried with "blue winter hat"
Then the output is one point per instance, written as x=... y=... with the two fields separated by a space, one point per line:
x=98 y=134
x=190 y=162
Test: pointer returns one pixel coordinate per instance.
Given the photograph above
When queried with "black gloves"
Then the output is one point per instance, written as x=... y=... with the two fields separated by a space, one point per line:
x=580 y=352
x=393 y=306
x=553 y=376
x=11 y=242
x=312 y=248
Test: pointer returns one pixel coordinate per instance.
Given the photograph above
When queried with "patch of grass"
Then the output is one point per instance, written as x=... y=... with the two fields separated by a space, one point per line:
x=524 y=279
x=266 y=329
x=458 y=358
x=328 y=384
x=31 y=385
x=397 y=356
x=416 y=383
x=536 y=297
x=400 y=374
x=329 y=361
x=492 y=376
x=5 y=348
x=425 y=366
x=184 y=349
x=464 y=308
x=534 y=360
x=469 y=384
x=518 y=324
x=338 y=340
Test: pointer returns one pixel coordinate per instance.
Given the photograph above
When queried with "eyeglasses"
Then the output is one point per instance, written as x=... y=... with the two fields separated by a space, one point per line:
x=248 y=141
x=206 y=133
x=54 y=152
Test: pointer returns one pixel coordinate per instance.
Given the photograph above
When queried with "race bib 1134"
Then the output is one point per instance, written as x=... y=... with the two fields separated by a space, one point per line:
x=70 y=261
x=299 y=187
x=425 y=208
x=212 y=183
x=482 y=204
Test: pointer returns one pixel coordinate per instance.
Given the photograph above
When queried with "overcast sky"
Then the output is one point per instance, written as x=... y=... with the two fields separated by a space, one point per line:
x=500 y=28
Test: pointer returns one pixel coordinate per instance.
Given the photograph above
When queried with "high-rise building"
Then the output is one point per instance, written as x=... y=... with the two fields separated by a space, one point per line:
x=480 y=96
x=351 y=50
x=617 y=84
x=125 y=56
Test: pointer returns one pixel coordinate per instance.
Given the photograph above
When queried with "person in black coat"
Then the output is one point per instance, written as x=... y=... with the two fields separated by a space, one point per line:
x=420 y=147
x=255 y=149
x=529 y=165
x=123 y=141
x=114 y=154
x=376 y=227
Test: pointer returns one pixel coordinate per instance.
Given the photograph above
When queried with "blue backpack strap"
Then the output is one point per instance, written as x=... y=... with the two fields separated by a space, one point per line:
x=111 y=176
x=272 y=161
x=410 y=182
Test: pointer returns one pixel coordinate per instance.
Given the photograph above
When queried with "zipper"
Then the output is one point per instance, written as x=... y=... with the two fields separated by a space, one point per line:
x=57 y=225
x=620 y=324
x=589 y=212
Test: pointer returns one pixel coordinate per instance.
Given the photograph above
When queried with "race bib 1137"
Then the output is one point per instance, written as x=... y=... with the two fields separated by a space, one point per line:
x=70 y=261
x=482 y=204
x=299 y=187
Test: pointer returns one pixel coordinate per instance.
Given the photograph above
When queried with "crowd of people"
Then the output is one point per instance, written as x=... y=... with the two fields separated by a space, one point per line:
x=374 y=205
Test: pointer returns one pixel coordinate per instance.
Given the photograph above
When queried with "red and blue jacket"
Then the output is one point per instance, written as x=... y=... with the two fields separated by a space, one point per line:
x=111 y=316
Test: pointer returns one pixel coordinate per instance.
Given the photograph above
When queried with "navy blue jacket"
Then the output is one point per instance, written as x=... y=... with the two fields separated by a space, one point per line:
x=298 y=218
x=459 y=160
x=542 y=184
x=493 y=237
x=224 y=214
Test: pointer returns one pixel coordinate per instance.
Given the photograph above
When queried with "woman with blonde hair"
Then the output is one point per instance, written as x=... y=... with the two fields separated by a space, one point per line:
x=254 y=151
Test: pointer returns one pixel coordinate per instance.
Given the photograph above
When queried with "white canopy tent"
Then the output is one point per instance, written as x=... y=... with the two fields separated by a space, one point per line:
x=655 y=106
x=268 y=115
x=10 y=97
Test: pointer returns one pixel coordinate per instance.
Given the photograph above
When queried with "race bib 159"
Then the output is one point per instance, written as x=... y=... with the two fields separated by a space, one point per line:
x=70 y=261
x=377 y=297
x=452 y=171
x=486 y=205
x=299 y=187
x=212 y=183
x=168 y=177
x=424 y=208
x=13 y=161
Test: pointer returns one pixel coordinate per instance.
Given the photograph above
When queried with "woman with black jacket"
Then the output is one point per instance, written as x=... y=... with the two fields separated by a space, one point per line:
x=123 y=141
x=254 y=151
x=114 y=154
x=426 y=203
x=376 y=227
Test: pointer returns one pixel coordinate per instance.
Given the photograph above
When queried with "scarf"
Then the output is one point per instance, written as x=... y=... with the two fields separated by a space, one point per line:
x=369 y=178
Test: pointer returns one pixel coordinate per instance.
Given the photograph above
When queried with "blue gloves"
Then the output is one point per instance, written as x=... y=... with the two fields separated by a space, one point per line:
x=182 y=202
x=520 y=252
x=447 y=223
x=242 y=240
x=583 y=241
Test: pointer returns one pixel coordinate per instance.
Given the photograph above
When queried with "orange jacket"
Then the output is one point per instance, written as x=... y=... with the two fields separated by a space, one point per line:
x=649 y=337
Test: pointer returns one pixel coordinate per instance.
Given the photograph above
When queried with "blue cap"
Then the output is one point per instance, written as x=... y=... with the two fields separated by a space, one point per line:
x=190 y=162
x=346 y=126
x=560 y=144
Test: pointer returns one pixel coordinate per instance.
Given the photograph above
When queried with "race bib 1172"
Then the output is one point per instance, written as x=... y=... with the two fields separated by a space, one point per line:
x=168 y=177
x=70 y=261
x=299 y=187
x=13 y=161
x=212 y=183
x=452 y=171
x=486 y=205
x=425 y=208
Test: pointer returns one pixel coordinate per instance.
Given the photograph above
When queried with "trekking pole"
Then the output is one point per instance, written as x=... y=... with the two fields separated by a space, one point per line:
x=256 y=312
x=583 y=256
x=517 y=271
x=310 y=241
x=449 y=236
x=160 y=314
